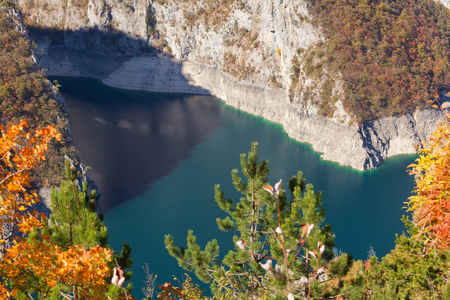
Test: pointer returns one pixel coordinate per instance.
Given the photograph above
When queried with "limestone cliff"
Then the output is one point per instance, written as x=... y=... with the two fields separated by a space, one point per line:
x=237 y=50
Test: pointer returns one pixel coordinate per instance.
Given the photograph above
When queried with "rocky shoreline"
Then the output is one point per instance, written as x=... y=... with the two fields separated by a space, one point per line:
x=361 y=147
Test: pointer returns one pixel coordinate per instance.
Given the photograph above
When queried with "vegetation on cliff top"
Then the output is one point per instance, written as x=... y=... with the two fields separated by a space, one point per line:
x=26 y=94
x=392 y=56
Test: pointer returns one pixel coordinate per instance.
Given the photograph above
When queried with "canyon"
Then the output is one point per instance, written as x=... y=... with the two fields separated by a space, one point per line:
x=239 y=51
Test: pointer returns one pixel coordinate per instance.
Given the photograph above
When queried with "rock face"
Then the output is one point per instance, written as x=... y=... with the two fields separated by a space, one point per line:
x=446 y=3
x=238 y=51
x=106 y=27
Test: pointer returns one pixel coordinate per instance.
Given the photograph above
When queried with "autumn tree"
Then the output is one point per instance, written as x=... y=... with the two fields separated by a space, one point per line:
x=430 y=204
x=186 y=290
x=74 y=221
x=26 y=94
x=281 y=249
x=30 y=263
x=20 y=152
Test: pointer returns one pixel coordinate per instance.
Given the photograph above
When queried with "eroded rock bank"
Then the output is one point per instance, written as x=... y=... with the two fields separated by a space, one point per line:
x=361 y=147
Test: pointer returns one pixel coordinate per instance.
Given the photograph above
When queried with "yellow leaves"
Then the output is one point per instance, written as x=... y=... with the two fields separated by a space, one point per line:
x=28 y=223
x=169 y=292
x=76 y=266
x=431 y=202
x=188 y=291
x=4 y=293
x=20 y=151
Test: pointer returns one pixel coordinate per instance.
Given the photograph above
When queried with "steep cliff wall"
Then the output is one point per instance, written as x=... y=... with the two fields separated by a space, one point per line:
x=105 y=27
x=239 y=51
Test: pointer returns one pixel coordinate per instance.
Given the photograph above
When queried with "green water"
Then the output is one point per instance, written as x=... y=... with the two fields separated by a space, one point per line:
x=364 y=208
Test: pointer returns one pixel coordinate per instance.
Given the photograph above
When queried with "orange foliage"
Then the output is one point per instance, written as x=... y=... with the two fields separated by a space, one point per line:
x=431 y=203
x=19 y=153
x=29 y=262
x=187 y=290
x=83 y=270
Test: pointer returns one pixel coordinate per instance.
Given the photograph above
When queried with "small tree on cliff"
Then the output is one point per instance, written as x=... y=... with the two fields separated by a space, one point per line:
x=74 y=221
x=281 y=248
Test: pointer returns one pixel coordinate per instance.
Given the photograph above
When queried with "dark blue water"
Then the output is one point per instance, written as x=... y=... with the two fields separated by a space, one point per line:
x=156 y=158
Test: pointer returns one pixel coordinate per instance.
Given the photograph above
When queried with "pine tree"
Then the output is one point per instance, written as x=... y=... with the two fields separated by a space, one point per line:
x=125 y=262
x=281 y=247
x=74 y=220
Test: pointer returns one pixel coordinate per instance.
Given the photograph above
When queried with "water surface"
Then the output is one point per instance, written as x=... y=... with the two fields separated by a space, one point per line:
x=156 y=159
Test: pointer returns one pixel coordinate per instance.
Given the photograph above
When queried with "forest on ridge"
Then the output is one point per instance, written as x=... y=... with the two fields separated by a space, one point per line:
x=392 y=56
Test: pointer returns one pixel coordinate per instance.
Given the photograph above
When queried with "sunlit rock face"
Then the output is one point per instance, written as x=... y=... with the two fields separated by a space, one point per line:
x=446 y=3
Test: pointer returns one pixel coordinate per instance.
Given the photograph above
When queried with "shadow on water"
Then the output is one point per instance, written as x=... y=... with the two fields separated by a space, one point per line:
x=134 y=144
x=133 y=138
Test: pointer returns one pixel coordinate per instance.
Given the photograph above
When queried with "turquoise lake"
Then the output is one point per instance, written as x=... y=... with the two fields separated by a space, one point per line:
x=156 y=158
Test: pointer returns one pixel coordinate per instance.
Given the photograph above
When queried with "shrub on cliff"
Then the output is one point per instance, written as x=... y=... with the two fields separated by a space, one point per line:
x=26 y=94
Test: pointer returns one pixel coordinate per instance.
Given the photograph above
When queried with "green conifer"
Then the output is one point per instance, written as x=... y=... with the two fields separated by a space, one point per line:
x=74 y=220
x=281 y=249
